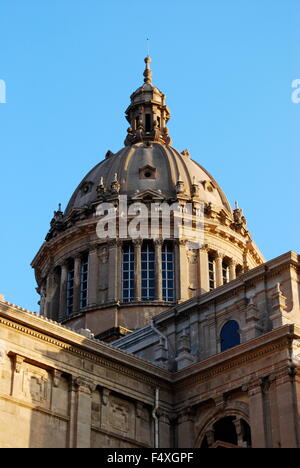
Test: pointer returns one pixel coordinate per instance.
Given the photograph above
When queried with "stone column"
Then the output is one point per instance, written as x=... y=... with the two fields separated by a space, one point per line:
x=93 y=276
x=232 y=273
x=112 y=271
x=210 y=437
x=48 y=297
x=82 y=433
x=164 y=431
x=182 y=272
x=186 y=436
x=138 y=269
x=77 y=268
x=287 y=409
x=239 y=432
x=18 y=374
x=63 y=292
x=257 y=417
x=219 y=270
x=158 y=270
x=203 y=274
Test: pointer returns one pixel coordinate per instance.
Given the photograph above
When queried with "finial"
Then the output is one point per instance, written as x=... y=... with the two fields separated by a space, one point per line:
x=59 y=207
x=236 y=205
x=148 y=72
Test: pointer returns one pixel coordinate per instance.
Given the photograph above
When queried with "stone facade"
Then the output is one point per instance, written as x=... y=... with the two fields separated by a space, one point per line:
x=65 y=389
x=60 y=389
x=209 y=354
x=151 y=173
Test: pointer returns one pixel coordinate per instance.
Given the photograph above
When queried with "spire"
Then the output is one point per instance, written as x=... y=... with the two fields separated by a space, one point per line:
x=147 y=113
x=148 y=72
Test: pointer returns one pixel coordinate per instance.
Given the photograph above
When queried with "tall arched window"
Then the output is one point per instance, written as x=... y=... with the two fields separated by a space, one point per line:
x=148 y=272
x=211 y=272
x=225 y=271
x=84 y=281
x=238 y=270
x=128 y=273
x=168 y=273
x=230 y=335
x=70 y=286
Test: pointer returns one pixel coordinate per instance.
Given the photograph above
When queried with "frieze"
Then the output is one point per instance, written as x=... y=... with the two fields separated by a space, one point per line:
x=206 y=375
x=86 y=355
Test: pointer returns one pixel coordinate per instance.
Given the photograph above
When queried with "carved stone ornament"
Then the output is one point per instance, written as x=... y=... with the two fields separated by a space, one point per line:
x=84 y=385
x=105 y=396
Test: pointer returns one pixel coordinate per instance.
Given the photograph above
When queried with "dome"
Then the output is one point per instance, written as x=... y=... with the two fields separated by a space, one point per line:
x=152 y=167
x=111 y=270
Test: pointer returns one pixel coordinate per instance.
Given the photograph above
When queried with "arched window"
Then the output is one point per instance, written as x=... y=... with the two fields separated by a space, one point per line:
x=128 y=273
x=84 y=281
x=168 y=273
x=230 y=335
x=211 y=272
x=228 y=432
x=148 y=272
x=225 y=271
x=70 y=286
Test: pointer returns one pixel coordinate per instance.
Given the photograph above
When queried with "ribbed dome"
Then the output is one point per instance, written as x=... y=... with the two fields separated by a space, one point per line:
x=149 y=167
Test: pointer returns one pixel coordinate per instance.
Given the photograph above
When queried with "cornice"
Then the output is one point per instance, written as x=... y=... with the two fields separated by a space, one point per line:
x=235 y=287
x=234 y=358
x=100 y=353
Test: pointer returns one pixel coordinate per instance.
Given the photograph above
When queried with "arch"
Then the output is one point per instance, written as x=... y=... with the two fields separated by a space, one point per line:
x=216 y=423
x=230 y=335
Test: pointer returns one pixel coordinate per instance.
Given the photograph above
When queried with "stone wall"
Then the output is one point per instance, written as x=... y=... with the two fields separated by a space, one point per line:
x=60 y=389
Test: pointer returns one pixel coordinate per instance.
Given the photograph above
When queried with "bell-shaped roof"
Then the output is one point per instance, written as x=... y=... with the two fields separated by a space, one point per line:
x=149 y=167
x=148 y=163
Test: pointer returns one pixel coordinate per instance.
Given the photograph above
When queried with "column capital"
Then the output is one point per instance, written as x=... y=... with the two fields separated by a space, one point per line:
x=93 y=249
x=105 y=396
x=56 y=377
x=84 y=385
x=137 y=242
x=219 y=255
x=158 y=242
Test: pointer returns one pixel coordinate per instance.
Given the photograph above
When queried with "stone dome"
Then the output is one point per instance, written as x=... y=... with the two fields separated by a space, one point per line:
x=114 y=283
x=153 y=167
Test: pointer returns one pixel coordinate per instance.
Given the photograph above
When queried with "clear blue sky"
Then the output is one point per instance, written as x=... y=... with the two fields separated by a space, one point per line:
x=70 y=67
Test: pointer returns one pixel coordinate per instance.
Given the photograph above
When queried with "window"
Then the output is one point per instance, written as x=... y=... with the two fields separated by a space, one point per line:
x=70 y=287
x=168 y=286
x=148 y=272
x=229 y=432
x=211 y=272
x=238 y=270
x=147 y=122
x=225 y=272
x=84 y=282
x=230 y=335
x=128 y=273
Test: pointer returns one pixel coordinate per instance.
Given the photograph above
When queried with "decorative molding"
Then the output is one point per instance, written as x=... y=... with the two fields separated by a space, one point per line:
x=123 y=368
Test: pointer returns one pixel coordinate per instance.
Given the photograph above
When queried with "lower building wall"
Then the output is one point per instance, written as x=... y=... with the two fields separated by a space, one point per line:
x=59 y=389
x=56 y=393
